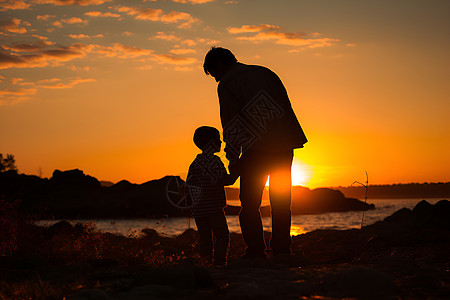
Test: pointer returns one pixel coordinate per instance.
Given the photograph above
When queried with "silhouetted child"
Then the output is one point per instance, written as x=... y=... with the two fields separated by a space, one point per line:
x=205 y=187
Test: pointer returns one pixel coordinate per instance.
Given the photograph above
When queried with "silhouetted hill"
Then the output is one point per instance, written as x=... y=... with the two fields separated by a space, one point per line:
x=73 y=194
x=410 y=190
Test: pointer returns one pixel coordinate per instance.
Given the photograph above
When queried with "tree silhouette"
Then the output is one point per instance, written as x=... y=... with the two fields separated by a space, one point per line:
x=8 y=163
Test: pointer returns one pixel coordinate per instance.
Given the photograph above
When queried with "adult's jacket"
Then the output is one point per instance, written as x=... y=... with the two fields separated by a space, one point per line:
x=256 y=113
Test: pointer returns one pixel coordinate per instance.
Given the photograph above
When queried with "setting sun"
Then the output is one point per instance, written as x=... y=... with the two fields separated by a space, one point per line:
x=301 y=173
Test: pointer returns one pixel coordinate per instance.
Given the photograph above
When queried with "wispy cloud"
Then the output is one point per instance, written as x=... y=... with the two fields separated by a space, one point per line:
x=184 y=20
x=85 y=36
x=252 y=28
x=174 y=59
x=57 y=84
x=182 y=51
x=149 y=14
x=18 y=92
x=45 y=17
x=193 y=1
x=13 y=5
x=265 y=32
x=98 y=14
x=71 y=2
x=186 y=42
x=13 y=96
x=122 y=51
x=11 y=26
x=28 y=47
x=163 y=36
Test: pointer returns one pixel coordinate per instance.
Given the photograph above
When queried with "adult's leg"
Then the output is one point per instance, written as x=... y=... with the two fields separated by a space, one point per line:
x=205 y=237
x=280 y=202
x=253 y=180
x=221 y=237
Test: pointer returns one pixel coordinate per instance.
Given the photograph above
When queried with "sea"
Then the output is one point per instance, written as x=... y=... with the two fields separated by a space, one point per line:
x=300 y=223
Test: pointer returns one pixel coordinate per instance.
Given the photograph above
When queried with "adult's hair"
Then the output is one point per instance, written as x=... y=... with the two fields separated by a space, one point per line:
x=218 y=54
x=204 y=135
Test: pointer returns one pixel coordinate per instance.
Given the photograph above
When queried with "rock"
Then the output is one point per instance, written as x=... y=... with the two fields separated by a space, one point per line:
x=60 y=228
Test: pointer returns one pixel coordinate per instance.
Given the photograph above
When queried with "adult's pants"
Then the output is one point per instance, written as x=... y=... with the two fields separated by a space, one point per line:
x=255 y=168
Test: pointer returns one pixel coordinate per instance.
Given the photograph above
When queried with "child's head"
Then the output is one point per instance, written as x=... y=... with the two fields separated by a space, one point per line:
x=207 y=139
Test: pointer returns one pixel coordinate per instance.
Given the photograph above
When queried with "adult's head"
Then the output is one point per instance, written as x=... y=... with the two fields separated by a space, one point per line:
x=217 y=62
x=207 y=139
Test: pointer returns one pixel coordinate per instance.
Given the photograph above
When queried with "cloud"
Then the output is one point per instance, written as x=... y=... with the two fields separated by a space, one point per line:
x=48 y=83
x=189 y=42
x=182 y=51
x=127 y=33
x=185 y=20
x=41 y=57
x=145 y=67
x=84 y=36
x=193 y=1
x=15 y=95
x=149 y=14
x=99 y=14
x=175 y=17
x=74 y=20
x=167 y=37
x=252 y=28
x=183 y=69
x=267 y=32
x=208 y=41
x=55 y=83
x=43 y=38
x=11 y=26
x=21 y=81
x=12 y=96
x=57 y=24
x=28 y=47
x=6 y=5
x=174 y=59
x=71 y=2
x=122 y=51
x=45 y=17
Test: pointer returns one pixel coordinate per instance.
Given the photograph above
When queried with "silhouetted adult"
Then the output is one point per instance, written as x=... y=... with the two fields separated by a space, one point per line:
x=260 y=130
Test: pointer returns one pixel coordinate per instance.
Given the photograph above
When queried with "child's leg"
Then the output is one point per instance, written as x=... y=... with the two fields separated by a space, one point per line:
x=205 y=237
x=221 y=236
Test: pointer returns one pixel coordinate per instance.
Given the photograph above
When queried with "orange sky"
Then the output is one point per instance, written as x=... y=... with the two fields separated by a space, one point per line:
x=116 y=88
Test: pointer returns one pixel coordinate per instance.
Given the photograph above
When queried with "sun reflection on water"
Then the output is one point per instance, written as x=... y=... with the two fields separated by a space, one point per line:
x=297 y=230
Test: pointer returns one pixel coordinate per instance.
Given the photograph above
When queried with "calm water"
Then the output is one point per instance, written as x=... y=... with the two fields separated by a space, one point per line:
x=300 y=223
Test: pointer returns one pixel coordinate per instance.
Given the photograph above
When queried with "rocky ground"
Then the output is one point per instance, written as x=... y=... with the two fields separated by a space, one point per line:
x=404 y=257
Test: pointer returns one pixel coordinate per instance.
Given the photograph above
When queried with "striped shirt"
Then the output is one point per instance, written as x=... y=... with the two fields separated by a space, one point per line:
x=205 y=185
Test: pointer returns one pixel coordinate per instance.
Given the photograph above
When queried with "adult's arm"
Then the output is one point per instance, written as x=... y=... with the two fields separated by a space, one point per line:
x=229 y=116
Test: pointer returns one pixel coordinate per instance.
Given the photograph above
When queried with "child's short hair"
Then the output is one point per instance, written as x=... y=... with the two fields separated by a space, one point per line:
x=204 y=135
